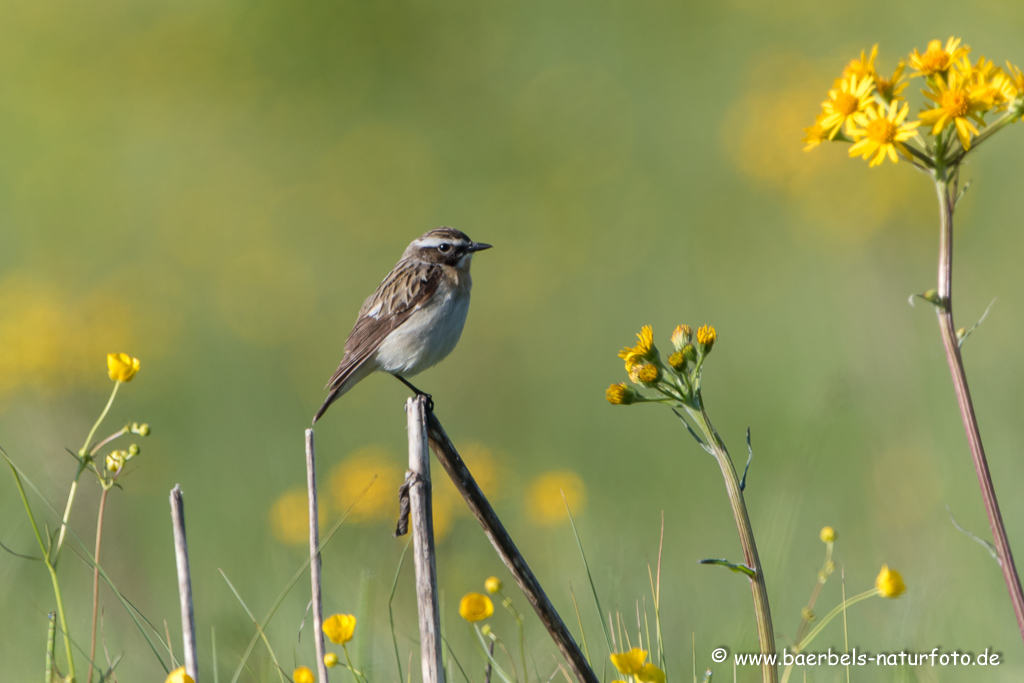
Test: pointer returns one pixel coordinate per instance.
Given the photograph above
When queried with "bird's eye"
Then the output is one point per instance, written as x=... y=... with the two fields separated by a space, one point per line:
x=444 y=248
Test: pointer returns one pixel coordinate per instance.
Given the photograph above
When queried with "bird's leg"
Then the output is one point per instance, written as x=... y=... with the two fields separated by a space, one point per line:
x=430 y=399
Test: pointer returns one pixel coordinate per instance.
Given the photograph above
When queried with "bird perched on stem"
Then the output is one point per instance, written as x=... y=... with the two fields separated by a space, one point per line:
x=415 y=317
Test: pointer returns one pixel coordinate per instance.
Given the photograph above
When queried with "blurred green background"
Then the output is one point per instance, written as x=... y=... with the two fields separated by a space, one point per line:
x=215 y=188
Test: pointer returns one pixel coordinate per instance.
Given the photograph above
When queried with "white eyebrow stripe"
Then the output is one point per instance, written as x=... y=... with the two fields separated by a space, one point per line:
x=437 y=241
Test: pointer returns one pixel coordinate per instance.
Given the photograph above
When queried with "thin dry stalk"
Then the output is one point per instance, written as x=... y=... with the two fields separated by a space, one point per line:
x=418 y=481
x=506 y=548
x=314 y=558
x=188 y=617
x=96 y=581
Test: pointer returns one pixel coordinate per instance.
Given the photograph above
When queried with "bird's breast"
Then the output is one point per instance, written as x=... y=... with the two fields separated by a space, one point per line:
x=430 y=333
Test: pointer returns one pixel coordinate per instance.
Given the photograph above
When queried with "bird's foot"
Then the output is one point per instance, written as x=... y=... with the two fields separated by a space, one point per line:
x=430 y=399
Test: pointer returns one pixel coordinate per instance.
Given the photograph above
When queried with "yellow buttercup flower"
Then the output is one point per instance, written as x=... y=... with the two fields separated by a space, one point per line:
x=851 y=96
x=827 y=535
x=475 y=607
x=937 y=59
x=863 y=67
x=303 y=675
x=493 y=585
x=340 y=628
x=890 y=88
x=955 y=106
x=620 y=394
x=706 y=337
x=330 y=660
x=814 y=135
x=644 y=349
x=544 y=497
x=629 y=663
x=121 y=367
x=889 y=583
x=179 y=676
x=650 y=674
x=883 y=134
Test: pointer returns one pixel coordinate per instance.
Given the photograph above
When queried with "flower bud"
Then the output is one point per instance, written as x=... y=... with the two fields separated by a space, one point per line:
x=827 y=535
x=133 y=450
x=620 y=394
x=690 y=352
x=121 y=367
x=115 y=461
x=140 y=429
x=493 y=584
x=330 y=660
x=807 y=614
x=647 y=374
x=303 y=675
x=706 y=336
x=678 y=361
x=681 y=336
x=889 y=583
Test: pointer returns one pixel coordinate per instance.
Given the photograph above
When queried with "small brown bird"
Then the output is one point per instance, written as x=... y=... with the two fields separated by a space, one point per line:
x=415 y=317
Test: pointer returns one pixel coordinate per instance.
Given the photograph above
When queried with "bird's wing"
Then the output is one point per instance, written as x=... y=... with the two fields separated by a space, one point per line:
x=405 y=289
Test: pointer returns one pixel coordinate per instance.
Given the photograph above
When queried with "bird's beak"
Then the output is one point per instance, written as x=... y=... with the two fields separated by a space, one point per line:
x=477 y=246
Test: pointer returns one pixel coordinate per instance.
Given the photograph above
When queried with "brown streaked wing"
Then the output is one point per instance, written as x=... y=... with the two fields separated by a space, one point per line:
x=404 y=290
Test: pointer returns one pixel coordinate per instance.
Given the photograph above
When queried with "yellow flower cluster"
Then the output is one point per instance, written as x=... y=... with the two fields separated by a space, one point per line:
x=868 y=109
x=675 y=382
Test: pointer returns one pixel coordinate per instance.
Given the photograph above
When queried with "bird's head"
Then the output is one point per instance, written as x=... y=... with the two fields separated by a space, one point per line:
x=446 y=246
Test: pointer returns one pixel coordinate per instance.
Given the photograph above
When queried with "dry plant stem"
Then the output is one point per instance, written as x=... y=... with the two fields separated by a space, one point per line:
x=188 y=616
x=758 y=588
x=944 y=310
x=314 y=559
x=506 y=548
x=424 y=561
x=96 y=579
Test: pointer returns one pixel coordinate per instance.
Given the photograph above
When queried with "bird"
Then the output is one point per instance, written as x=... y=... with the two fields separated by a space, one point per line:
x=415 y=317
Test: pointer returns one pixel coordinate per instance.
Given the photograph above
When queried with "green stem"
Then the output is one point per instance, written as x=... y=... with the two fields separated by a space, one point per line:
x=83 y=456
x=836 y=611
x=96 y=579
x=51 y=640
x=758 y=587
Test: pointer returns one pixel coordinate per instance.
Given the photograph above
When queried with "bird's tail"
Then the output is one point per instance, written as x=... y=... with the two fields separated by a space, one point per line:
x=343 y=381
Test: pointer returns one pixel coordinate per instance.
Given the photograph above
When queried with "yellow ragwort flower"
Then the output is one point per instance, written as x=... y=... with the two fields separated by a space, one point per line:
x=493 y=585
x=891 y=88
x=850 y=96
x=121 y=367
x=340 y=628
x=303 y=675
x=644 y=349
x=706 y=337
x=1014 y=81
x=650 y=674
x=937 y=59
x=883 y=134
x=889 y=583
x=680 y=336
x=330 y=660
x=814 y=135
x=827 y=535
x=863 y=67
x=179 y=676
x=646 y=374
x=986 y=83
x=955 y=106
x=620 y=394
x=629 y=663
x=475 y=607
x=678 y=361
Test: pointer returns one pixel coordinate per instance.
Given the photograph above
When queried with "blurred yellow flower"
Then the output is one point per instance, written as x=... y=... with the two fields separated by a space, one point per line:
x=289 y=517
x=644 y=349
x=330 y=660
x=544 y=502
x=650 y=674
x=891 y=88
x=339 y=628
x=937 y=59
x=706 y=337
x=475 y=607
x=827 y=535
x=955 y=106
x=814 y=135
x=620 y=394
x=629 y=663
x=303 y=675
x=350 y=478
x=864 y=67
x=851 y=96
x=121 y=367
x=680 y=336
x=179 y=676
x=889 y=583
x=883 y=134
x=493 y=585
